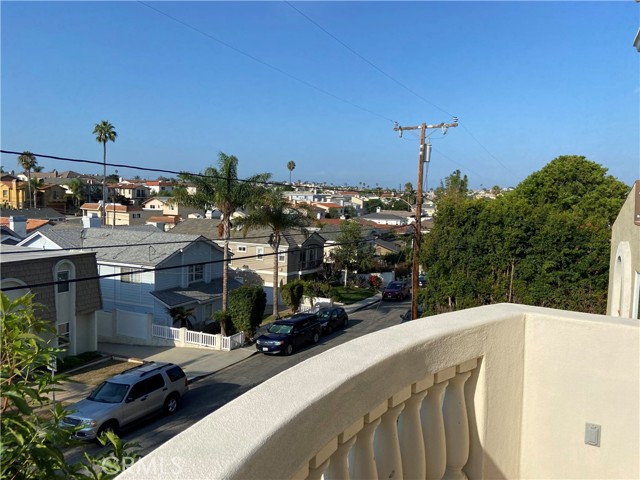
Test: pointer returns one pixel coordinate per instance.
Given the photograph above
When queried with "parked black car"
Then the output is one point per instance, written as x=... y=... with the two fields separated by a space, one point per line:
x=283 y=336
x=332 y=318
x=395 y=291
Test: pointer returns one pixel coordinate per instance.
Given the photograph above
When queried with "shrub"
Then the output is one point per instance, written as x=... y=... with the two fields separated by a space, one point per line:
x=292 y=294
x=246 y=306
x=375 y=281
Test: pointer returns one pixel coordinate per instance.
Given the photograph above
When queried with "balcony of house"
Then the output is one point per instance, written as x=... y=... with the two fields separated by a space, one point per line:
x=502 y=391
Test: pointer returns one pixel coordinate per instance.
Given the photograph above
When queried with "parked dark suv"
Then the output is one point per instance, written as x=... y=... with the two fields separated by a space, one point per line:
x=127 y=397
x=288 y=334
x=332 y=318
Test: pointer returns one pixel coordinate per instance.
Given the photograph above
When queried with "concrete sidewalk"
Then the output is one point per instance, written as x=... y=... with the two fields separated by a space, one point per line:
x=200 y=362
x=196 y=362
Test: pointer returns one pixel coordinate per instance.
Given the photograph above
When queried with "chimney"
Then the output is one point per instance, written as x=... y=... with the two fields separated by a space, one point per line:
x=18 y=224
x=91 y=221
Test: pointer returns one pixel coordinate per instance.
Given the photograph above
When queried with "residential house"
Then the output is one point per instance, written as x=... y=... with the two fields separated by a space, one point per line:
x=325 y=208
x=166 y=206
x=117 y=214
x=15 y=229
x=143 y=270
x=69 y=305
x=52 y=196
x=384 y=247
x=623 y=299
x=13 y=191
x=300 y=254
x=136 y=193
x=386 y=219
x=159 y=187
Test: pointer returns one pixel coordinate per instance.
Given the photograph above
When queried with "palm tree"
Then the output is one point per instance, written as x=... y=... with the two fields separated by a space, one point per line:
x=77 y=190
x=34 y=184
x=28 y=161
x=291 y=165
x=220 y=188
x=104 y=133
x=276 y=213
x=180 y=315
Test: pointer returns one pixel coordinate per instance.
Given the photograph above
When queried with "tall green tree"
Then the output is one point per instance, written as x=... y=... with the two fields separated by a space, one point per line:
x=546 y=243
x=220 y=188
x=28 y=162
x=291 y=165
x=455 y=185
x=275 y=212
x=104 y=132
x=353 y=251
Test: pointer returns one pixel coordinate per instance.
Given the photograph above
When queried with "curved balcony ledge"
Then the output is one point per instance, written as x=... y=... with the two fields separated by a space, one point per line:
x=501 y=391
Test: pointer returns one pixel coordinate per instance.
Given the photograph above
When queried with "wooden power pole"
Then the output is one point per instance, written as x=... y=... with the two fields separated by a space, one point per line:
x=424 y=156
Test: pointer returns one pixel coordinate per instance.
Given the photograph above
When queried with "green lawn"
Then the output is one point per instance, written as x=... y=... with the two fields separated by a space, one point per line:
x=349 y=295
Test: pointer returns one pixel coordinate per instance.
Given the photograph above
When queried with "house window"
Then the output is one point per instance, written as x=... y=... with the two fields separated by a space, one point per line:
x=242 y=249
x=56 y=195
x=63 y=276
x=196 y=273
x=282 y=256
x=5 y=193
x=63 y=334
x=129 y=275
x=260 y=253
x=136 y=215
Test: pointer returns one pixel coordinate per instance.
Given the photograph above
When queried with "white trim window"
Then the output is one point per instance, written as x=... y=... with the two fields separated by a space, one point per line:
x=64 y=334
x=260 y=253
x=282 y=256
x=196 y=273
x=242 y=249
x=62 y=276
x=129 y=275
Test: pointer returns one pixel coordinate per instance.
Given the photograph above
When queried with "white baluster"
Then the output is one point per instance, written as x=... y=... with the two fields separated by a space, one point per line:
x=387 y=445
x=364 y=461
x=316 y=473
x=339 y=466
x=433 y=432
x=456 y=427
x=411 y=436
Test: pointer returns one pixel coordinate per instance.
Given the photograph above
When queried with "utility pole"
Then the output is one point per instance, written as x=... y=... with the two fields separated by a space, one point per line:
x=424 y=156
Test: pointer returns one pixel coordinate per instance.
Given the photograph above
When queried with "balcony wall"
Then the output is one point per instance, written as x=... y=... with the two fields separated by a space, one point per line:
x=502 y=391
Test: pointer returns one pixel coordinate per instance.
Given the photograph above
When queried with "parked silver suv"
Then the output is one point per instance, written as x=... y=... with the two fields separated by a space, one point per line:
x=126 y=397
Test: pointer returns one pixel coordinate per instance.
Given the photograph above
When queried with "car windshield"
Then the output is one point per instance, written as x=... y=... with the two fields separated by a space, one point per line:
x=109 y=392
x=324 y=313
x=280 y=328
x=394 y=286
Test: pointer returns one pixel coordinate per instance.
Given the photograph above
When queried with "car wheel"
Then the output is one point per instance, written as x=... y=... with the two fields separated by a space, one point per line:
x=171 y=404
x=316 y=337
x=288 y=350
x=108 y=426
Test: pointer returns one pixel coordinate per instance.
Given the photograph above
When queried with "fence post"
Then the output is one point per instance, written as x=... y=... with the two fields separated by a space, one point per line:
x=182 y=340
x=218 y=341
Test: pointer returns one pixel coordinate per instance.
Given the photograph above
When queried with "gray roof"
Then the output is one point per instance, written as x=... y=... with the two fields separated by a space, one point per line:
x=200 y=292
x=39 y=213
x=392 y=246
x=382 y=216
x=13 y=253
x=208 y=228
x=141 y=245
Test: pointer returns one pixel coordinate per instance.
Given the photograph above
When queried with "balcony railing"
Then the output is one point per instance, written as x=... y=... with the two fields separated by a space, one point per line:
x=503 y=391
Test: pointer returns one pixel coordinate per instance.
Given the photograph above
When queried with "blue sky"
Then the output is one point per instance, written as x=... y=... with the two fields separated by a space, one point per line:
x=529 y=81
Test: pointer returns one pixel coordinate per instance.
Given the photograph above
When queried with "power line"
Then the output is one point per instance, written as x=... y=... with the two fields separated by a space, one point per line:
x=390 y=77
x=266 y=64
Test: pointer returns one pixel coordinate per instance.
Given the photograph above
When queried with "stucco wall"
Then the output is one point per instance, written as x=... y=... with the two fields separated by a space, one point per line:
x=623 y=299
x=578 y=370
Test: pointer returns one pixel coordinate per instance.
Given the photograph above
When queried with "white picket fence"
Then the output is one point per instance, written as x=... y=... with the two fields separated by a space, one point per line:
x=182 y=336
